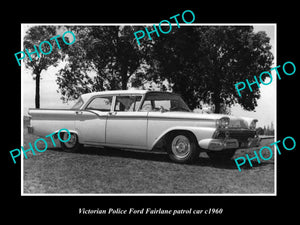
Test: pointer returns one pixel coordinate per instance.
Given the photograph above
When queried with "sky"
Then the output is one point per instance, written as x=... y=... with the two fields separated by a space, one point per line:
x=265 y=112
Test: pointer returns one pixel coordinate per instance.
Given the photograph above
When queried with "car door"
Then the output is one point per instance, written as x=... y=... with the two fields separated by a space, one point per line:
x=91 y=121
x=126 y=126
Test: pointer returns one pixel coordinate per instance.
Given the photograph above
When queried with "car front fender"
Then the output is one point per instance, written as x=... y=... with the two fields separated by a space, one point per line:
x=199 y=132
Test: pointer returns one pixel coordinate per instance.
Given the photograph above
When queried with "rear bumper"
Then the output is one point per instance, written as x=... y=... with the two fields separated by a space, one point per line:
x=230 y=143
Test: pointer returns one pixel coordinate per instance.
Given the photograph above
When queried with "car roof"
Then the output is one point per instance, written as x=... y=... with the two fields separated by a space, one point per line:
x=87 y=96
x=115 y=92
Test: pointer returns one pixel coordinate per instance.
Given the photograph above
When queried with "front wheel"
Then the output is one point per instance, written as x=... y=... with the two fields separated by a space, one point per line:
x=72 y=145
x=182 y=147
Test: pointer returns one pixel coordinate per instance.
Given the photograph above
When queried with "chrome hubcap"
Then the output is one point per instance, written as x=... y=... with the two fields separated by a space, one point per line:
x=181 y=146
x=72 y=142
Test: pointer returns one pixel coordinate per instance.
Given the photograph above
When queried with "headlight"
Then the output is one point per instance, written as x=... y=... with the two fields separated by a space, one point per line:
x=253 y=125
x=223 y=122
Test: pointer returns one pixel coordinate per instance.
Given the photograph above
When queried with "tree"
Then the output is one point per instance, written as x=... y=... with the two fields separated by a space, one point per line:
x=204 y=63
x=173 y=59
x=260 y=131
x=103 y=58
x=34 y=36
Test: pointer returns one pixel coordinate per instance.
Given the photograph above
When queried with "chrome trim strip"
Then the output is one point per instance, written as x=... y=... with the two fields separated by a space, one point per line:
x=179 y=118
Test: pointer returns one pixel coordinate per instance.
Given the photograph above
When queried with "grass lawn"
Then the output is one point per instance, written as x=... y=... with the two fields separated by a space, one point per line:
x=98 y=170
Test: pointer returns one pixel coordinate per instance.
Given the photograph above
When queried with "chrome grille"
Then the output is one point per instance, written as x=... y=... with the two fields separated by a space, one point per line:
x=240 y=135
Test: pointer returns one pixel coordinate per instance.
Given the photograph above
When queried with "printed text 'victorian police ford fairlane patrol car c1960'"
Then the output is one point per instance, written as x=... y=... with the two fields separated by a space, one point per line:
x=146 y=120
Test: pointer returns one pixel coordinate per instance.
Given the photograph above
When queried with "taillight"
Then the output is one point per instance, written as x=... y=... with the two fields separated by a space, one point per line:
x=29 y=120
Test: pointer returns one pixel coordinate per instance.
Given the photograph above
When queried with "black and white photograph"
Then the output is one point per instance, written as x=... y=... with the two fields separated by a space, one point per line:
x=143 y=111
x=140 y=112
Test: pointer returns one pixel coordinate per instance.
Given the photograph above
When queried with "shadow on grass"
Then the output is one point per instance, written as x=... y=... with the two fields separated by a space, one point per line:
x=122 y=153
x=229 y=164
x=160 y=157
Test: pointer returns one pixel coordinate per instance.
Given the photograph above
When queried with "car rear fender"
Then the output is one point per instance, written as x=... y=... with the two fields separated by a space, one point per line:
x=64 y=131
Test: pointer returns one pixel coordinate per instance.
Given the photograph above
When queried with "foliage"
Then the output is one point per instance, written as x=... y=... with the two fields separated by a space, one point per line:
x=204 y=63
x=103 y=58
x=269 y=130
x=34 y=36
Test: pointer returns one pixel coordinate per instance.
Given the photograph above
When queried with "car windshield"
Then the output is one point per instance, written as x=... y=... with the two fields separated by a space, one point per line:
x=156 y=101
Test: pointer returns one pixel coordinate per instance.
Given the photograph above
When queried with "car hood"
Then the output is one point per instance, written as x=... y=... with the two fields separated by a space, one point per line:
x=235 y=122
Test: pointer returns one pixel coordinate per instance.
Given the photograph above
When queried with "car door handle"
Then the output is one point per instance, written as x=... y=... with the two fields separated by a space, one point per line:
x=78 y=112
x=112 y=113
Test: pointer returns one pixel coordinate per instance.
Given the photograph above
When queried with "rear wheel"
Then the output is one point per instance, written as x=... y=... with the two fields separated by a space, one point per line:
x=72 y=145
x=182 y=147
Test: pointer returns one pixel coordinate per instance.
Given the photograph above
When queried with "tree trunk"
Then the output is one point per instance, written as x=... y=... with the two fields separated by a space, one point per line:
x=217 y=101
x=124 y=76
x=217 y=107
x=124 y=82
x=37 y=90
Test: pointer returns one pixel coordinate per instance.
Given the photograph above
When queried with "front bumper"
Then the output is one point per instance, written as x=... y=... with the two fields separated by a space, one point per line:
x=229 y=143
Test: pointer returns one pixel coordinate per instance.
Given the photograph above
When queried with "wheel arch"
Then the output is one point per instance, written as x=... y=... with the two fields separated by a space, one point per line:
x=198 y=133
x=64 y=131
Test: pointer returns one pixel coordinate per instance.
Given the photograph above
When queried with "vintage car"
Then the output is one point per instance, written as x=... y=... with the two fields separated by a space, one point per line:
x=146 y=120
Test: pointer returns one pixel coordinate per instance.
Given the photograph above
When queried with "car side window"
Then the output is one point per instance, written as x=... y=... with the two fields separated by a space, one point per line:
x=127 y=103
x=165 y=104
x=147 y=106
x=156 y=105
x=137 y=103
x=100 y=103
